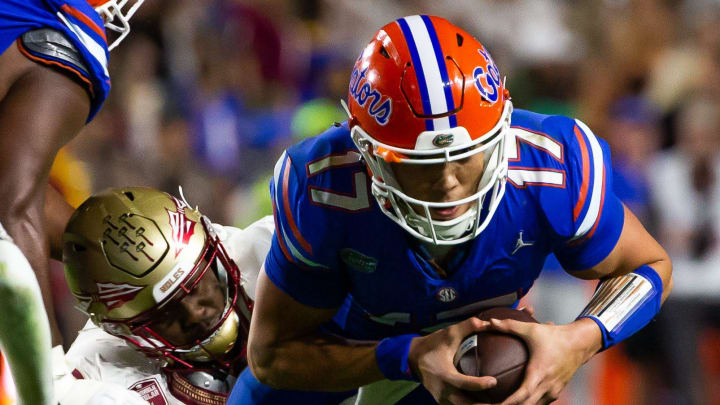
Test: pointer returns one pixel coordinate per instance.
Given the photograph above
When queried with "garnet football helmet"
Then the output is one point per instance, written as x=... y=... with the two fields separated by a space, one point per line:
x=132 y=253
x=426 y=92
x=117 y=15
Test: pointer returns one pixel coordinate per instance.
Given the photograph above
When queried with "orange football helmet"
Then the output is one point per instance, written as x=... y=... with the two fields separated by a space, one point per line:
x=117 y=15
x=426 y=92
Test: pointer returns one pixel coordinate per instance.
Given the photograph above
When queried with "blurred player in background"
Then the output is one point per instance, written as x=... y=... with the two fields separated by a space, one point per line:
x=168 y=294
x=432 y=125
x=53 y=79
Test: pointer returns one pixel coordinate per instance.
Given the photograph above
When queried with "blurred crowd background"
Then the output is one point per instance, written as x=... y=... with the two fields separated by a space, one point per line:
x=207 y=94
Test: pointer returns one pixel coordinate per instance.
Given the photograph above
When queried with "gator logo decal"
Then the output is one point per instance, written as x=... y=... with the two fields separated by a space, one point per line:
x=443 y=140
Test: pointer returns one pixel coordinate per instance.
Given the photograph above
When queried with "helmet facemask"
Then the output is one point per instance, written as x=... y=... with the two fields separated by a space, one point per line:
x=117 y=15
x=398 y=206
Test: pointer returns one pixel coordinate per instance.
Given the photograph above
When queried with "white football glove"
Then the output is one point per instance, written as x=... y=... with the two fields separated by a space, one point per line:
x=72 y=391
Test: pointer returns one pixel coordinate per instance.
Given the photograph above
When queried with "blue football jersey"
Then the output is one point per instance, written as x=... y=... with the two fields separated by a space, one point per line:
x=80 y=24
x=334 y=248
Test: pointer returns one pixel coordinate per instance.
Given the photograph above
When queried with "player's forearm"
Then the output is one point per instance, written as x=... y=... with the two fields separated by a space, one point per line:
x=318 y=362
x=24 y=329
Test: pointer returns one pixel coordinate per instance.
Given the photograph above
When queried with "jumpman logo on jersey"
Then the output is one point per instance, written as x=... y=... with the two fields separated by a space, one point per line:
x=519 y=244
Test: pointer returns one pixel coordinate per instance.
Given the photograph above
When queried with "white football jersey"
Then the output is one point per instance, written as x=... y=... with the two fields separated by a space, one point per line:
x=97 y=355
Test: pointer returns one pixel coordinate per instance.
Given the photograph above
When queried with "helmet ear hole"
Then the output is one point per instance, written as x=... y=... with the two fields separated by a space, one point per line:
x=129 y=195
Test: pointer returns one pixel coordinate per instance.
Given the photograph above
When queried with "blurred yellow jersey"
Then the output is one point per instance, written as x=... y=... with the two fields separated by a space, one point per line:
x=69 y=176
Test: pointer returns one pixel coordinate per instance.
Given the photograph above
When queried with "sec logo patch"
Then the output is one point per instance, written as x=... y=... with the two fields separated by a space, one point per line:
x=446 y=294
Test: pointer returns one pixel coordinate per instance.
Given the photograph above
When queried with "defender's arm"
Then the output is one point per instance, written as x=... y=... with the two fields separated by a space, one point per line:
x=41 y=111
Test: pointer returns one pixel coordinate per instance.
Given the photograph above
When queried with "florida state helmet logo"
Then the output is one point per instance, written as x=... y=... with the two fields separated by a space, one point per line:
x=182 y=227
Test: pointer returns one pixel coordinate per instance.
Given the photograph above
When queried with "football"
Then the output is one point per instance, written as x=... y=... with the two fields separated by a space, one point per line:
x=496 y=354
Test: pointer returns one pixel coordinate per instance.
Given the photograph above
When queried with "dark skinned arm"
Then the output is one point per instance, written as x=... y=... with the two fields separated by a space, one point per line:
x=41 y=109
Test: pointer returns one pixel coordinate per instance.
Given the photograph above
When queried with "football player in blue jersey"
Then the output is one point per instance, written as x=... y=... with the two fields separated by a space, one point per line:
x=53 y=79
x=468 y=199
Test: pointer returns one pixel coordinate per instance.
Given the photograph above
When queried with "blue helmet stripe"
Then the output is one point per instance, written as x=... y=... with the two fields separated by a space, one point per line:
x=419 y=74
x=442 y=67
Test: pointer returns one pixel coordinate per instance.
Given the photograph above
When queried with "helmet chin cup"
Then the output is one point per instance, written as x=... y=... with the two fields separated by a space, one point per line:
x=218 y=344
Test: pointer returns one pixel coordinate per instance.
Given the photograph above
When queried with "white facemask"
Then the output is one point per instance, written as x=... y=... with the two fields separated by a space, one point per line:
x=398 y=206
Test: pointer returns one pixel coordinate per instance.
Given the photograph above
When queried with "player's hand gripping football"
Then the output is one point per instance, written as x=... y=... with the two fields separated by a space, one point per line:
x=556 y=352
x=431 y=359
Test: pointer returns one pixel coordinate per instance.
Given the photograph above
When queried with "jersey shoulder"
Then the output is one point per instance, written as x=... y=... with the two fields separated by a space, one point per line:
x=309 y=155
x=554 y=150
x=567 y=170
x=320 y=189
x=542 y=140
x=329 y=161
x=92 y=340
x=321 y=200
x=99 y=356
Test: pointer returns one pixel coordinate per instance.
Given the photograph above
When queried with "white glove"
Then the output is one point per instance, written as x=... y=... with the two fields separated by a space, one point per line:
x=72 y=391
